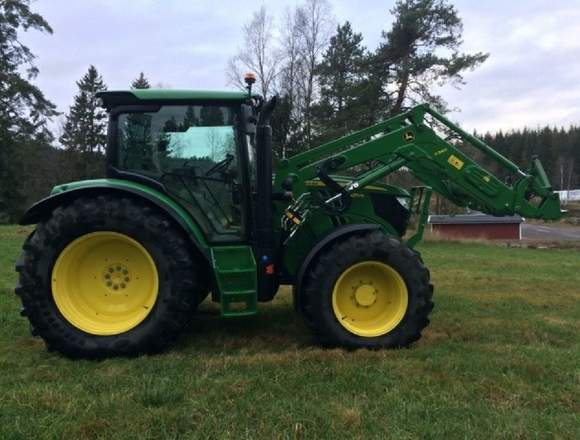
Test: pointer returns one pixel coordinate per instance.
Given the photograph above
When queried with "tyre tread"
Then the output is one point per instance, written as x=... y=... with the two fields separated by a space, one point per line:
x=109 y=212
x=339 y=256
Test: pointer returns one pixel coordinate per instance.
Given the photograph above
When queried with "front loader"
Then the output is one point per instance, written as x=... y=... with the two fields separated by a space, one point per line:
x=193 y=205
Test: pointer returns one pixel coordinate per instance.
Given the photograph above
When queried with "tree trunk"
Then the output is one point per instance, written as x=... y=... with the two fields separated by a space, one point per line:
x=402 y=91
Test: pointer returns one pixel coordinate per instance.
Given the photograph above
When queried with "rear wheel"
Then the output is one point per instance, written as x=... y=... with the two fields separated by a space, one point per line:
x=108 y=276
x=105 y=283
x=367 y=290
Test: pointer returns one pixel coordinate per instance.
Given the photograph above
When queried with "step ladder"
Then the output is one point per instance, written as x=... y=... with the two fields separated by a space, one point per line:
x=235 y=270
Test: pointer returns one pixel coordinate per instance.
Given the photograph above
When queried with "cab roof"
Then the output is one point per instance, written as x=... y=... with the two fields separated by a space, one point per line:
x=112 y=98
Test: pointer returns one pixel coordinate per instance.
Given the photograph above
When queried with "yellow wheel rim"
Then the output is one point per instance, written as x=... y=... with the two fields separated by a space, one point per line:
x=105 y=283
x=370 y=299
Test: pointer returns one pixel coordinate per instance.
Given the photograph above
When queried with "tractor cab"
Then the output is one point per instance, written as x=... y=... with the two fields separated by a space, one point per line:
x=198 y=147
x=206 y=151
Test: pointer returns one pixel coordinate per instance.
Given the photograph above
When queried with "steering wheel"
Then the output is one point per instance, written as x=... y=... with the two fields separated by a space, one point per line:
x=221 y=165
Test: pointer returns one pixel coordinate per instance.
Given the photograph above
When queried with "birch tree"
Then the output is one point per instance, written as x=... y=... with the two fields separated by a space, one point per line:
x=258 y=54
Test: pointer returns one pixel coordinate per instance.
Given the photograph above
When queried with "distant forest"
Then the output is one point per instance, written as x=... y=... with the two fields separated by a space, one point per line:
x=557 y=148
x=329 y=84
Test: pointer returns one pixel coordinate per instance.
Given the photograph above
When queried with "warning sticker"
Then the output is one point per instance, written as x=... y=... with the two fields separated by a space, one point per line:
x=454 y=161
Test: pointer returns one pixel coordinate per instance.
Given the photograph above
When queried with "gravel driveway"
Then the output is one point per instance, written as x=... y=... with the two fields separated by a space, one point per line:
x=541 y=232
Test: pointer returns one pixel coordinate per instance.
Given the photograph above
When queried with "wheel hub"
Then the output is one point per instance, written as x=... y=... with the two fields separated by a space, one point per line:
x=365 y=295
x=116 y=277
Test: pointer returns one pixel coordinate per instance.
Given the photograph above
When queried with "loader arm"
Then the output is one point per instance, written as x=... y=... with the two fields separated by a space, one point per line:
x=413 y=139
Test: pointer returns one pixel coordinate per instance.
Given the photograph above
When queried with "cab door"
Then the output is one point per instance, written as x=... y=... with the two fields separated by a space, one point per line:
x=194 y=152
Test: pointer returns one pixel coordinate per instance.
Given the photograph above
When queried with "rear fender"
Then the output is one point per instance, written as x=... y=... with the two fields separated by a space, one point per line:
x=64 y=194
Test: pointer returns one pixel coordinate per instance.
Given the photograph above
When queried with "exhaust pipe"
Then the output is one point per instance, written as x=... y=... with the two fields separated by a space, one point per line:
x=263 y=213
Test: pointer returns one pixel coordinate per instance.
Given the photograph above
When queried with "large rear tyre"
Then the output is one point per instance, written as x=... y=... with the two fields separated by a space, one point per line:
x=367 y=290
x=108 y=276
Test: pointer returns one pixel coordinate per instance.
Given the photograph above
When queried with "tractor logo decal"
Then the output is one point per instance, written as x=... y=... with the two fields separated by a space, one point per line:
x=409 y=136
x=455 y=162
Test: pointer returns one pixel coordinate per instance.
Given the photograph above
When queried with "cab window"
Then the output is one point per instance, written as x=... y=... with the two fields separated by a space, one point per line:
x=193 y=151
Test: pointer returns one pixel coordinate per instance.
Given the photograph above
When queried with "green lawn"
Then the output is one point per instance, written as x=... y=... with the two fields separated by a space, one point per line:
x=500 y=359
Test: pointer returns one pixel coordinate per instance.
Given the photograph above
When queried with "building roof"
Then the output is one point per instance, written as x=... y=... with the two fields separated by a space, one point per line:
x=473 y=219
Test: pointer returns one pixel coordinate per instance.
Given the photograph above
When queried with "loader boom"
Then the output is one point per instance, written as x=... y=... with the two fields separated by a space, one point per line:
x=411 y=140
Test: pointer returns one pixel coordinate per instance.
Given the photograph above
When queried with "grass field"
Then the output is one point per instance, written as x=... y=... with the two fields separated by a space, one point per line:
x=501 y=359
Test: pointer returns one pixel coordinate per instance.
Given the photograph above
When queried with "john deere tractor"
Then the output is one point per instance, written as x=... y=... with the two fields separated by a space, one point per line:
x=193 y=205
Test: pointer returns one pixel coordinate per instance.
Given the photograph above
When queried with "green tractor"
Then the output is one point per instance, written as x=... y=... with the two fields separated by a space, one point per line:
x=193 y=205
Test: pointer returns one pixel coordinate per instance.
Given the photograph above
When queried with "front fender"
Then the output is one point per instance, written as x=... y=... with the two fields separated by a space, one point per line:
x=336 y=234
x=65 y=193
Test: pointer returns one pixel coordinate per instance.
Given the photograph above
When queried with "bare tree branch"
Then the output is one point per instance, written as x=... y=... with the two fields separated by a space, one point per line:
x=258 y=55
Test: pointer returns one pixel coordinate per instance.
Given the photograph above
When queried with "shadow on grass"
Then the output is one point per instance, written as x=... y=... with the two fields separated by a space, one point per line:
x=276 y=328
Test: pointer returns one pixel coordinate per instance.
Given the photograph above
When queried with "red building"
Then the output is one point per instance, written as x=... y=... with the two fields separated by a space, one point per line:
x=477 y=226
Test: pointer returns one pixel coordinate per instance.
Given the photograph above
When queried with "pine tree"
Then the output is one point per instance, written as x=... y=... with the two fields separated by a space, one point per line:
x=189 y=118
x=23 y=108
x=85 y=129
x=137 y=143
x=85 y=126
x=211 y=117
x=141 y=82
x=340 y=76
x=421 y=50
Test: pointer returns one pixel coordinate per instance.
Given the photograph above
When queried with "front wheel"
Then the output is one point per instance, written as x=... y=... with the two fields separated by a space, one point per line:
x=106 y=276
x=367 y=290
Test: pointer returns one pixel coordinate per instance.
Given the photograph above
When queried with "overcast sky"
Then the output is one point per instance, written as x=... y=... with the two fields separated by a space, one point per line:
x=531 y=78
